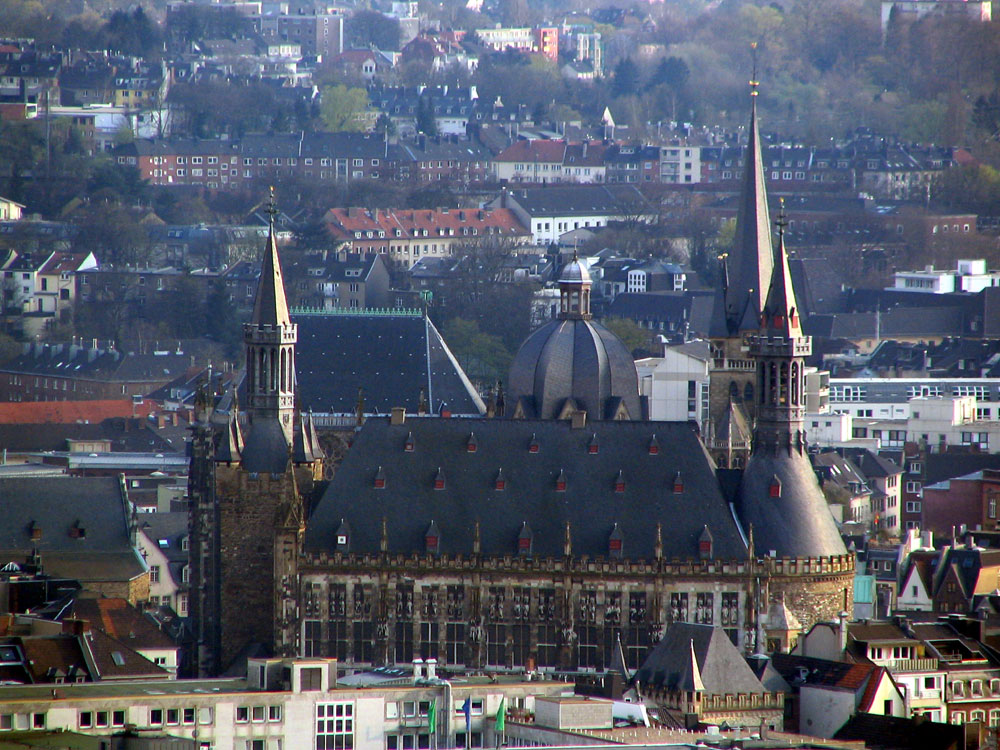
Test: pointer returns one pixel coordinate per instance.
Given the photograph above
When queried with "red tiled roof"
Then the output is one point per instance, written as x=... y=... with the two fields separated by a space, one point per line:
x=871 y=689
x=122 y=621
x=71 y=412
x=534 y=151
x=344 y=222
x=60 y=262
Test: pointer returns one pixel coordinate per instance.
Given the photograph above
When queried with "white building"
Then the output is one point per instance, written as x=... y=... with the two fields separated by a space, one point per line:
x=890 y=398
x=676 y=384
x=281 y=705
x=969 y=276
x=680 y=164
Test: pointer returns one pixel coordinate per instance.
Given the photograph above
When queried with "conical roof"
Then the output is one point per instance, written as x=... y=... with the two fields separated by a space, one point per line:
x=270 y=307
x=780 y=314
x=750 y=265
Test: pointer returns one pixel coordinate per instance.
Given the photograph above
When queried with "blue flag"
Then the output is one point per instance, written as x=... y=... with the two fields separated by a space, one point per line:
x=467 y=710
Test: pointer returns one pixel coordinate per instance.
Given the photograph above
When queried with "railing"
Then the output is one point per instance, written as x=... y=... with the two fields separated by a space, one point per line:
x=912 y=665
x=383 y=312
x=734 y=364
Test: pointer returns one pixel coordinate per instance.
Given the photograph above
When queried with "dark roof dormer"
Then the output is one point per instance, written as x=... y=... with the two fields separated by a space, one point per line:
x=533 y=445
x=561 y=481
x=432 y=539
x=343 y=540
x=525 y=540
x=705 y=544
x=616 y=542
x=379 y=481
x=439 y=479
x=654 y=445
x=500 y=483
x=678 y=483
x=594 y=446
x=471 y=444
x=409 y=444
x=620 y=481
x=77 y=531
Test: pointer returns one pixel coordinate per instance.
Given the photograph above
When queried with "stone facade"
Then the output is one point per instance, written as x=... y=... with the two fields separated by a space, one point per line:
x=550 y=614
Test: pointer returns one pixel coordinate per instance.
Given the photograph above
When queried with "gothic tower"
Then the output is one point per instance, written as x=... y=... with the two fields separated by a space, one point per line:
x=246 y=495
x=746 y=279
x=779 y=493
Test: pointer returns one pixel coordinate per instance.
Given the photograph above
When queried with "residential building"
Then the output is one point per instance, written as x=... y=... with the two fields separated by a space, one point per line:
x=892 y=398
x=976 y=10
x=10 y=210
x=317 y=33
x=970 y=500
x=541 y=40
x=549 y=213
x=164 y=545
x=39 y=288
x=406 y=236
x=680 y=164
x=330 y=280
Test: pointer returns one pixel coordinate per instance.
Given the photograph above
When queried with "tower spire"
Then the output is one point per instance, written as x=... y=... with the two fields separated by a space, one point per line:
x=752 y=261
x=270 y=306
x=270 y=338
x=780 y=315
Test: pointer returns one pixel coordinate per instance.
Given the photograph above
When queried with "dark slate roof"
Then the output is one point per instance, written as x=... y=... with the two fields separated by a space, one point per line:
x=128 y=435
x=590 y=502
x=911 y=321
x=392 y=357
x=614 y=200
x=576 y=359
x=721 y=665
x=57 y=504
x=872 y=464
x=266 y=450
x=941 y=466
x=796 y=524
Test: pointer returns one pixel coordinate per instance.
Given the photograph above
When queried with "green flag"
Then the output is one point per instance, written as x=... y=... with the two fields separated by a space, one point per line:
x=502 y=715
x=432 y=716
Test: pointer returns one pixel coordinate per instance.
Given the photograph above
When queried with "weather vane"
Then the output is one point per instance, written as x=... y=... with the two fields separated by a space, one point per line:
x=754 y=83
x=780 y=221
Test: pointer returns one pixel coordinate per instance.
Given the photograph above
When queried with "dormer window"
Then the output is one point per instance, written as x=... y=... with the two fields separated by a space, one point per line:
x=593 y=446
x=432 y=539
x=654 y=446
x=533 y=445
x=471 y=445
x=343 y=536
x=774 y=489
x=561 y=481
x=678 y=483
x=525 y=540
x=35 y=531
x=409 y=445
x=77 y=531
x=620 y=481
x=615 y=542
x=439 y=479
x=705 y=544
x=500 y=483
x=379 y=482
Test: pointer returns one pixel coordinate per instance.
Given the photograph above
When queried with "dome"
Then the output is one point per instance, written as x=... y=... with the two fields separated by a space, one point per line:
x=574 y=272
x=576 y=359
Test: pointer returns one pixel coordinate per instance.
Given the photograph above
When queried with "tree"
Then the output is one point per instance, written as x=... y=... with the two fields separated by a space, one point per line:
x=341 y=107
x=369 y=28
x=626 y=80
x=483 y=356
x=631 y=334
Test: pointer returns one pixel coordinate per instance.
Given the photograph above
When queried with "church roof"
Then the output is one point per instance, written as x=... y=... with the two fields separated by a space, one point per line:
x=780 y=315
x=733 y=427
x=266 y=449
x=592 y=500
x=391 y=357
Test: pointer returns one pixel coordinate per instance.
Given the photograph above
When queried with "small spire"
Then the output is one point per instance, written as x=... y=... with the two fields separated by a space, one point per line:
x=384 y=541
x=567 y=541
x=477 y=541
x=697 y=685
x=658 y=544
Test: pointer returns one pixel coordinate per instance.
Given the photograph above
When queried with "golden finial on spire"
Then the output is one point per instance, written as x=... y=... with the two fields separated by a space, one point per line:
x=272 y=208
x=781 y=222
x=754 y=83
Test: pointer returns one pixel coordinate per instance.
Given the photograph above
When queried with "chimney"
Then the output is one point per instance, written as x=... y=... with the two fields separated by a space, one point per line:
x=398 y=415
x=75 y=627
x=432 y=668
x=927 y=539
x=418 y=670
x=842 y=631
x=579 y=419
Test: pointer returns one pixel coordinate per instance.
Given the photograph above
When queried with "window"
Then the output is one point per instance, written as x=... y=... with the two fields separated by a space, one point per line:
x=335 y=726
x=242 y=714
x=156 y=716
x=274 y=713
x=257 y=714
x=86 y=720
x=173 y=716
x=912 y=506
